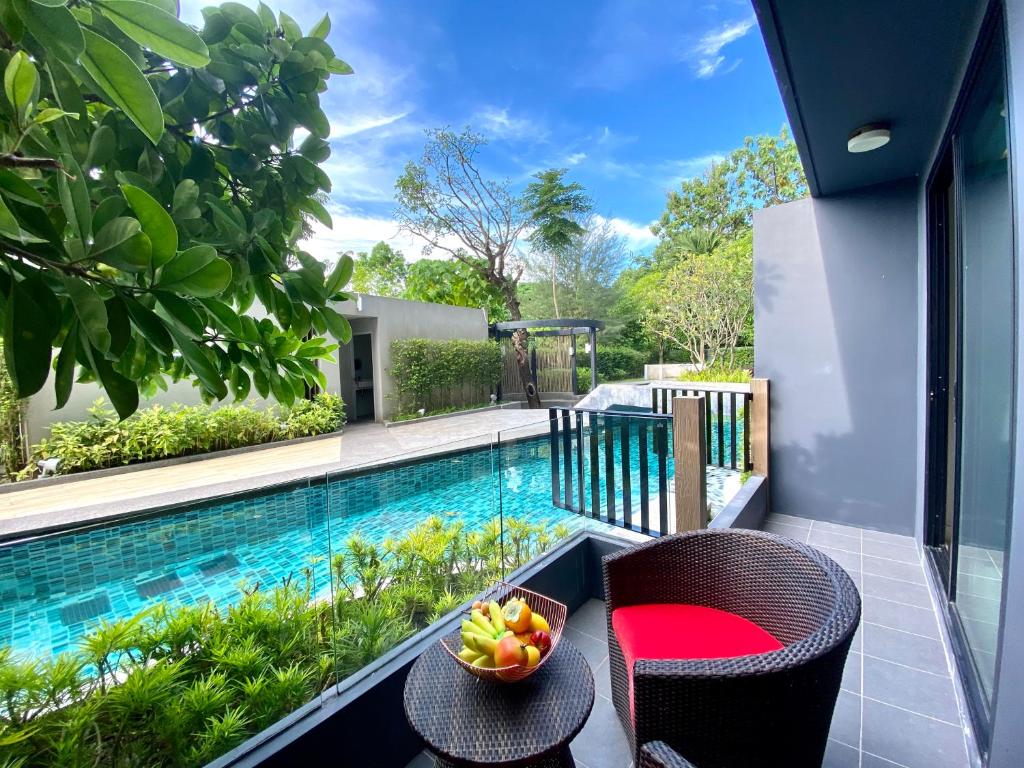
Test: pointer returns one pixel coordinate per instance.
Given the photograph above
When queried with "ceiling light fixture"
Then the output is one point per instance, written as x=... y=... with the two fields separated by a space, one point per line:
x=868 y=137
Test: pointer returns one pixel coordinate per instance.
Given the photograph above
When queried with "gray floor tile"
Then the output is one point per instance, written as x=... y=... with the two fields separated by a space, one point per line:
x=800 y=522
x=851 y=672
x=894 y=589
x=850 y=561
x=878 y=566
x=892 y=538
x=972 y=584
x=840 y=756
x=920 y=692
x=603 y=680
x=848 y=530
x=874 y=761
x=791 y=531
x=911 y=739
x=846 y=719
x=984 y=568
x=904 y=648
x=590 y=619
x=602 y=743
x=900 y=552
x=921 y=621
x=593 y=650
x=833 y=539
x=422 y=760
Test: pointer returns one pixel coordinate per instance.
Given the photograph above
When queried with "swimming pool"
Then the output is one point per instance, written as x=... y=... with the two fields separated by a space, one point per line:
x=53 y=588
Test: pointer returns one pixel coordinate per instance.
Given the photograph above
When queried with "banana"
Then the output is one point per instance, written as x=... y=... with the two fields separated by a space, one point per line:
x=539 y=623
x=469 y=640
x=486 y=644
x=468 y=654
x=469 y=626
x=497 y=617
x=481 y=621
x=484 y=661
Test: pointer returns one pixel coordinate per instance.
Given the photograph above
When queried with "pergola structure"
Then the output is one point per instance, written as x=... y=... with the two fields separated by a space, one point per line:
x=571 y=327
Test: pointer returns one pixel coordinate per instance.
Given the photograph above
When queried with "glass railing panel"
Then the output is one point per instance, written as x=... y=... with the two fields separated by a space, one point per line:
x=411 y=537
x=165 y=636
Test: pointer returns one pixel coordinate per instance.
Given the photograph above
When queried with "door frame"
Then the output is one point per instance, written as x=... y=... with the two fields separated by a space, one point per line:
x=939 y=270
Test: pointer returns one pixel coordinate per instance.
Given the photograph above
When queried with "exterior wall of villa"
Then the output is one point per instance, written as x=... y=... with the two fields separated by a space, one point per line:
x=836 y=324
x=385 y=319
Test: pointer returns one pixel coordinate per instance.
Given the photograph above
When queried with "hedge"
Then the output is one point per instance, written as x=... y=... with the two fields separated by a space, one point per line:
x=614 y=363
x=163 y=433
x=433 y=374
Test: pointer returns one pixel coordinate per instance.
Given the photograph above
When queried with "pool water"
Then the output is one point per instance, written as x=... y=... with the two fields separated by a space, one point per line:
x=54 y=588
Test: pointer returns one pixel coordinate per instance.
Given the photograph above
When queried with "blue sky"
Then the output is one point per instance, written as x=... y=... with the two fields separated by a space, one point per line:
x=631 y=96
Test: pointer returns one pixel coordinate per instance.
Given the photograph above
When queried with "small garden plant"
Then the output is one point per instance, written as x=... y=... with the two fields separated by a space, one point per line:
x=160 y=433
x=179 y=685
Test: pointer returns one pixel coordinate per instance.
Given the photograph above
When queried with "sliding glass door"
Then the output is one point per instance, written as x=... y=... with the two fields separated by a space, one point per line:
x=972 y=310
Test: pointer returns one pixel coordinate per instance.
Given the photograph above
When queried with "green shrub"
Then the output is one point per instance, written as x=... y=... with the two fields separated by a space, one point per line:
x=162 y=433
x=614 y=363
x=433 y=374
x=742 y=357
x=718 y=373
x=179 y=685
x=12 y=439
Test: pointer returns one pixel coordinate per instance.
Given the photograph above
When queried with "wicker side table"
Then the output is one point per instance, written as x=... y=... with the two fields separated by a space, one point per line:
x=470 y=722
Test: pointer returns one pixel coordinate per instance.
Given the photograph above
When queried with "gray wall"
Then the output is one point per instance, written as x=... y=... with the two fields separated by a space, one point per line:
x=1007 y=750
x=836 y=325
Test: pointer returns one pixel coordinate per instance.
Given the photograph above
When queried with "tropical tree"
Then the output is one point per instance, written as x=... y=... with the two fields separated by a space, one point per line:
x=554 y=209
x=769 y=171
x=447 y=281
x=150 y=192
x=702 y=303
x=381 y=272
x=445 y=200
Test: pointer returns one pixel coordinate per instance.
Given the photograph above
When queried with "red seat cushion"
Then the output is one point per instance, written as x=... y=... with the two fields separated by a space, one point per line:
x=677 y=631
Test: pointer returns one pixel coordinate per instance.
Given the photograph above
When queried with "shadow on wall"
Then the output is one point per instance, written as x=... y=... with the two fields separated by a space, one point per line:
x=836 y=308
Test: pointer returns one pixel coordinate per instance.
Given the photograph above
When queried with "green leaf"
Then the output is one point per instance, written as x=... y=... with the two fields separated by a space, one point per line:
x=157 y=30
x=199 y=271
x=50 y=114
x=64 y=377
x=8 y=223
x=316 y=208
x=171 y=6
x=337 y=325
x=122 y=244
x=322 y=28
x=55 y=29
x=200 y=364
x=340 y=275
x=338 y=67
x=74 y=197
x=123 y=393
x=52 y=3
x=17 y=189
x=27 y=341
x=292 y=31
x=119 y=325
x=21 y=84
x=224 y=315
x=149 y=325
x=102 y=147
x=180 y=311
x=124 y=83
x=156 y=223
x=92 y=313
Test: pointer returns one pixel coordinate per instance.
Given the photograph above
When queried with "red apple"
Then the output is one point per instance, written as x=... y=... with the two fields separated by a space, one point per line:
x=541 y=639
x=509 y=652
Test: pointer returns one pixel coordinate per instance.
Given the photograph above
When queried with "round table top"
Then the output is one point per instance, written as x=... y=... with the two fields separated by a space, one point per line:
x=468 y=720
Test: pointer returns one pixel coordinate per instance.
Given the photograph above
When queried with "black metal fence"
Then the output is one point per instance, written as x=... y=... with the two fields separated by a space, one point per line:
x=606 y=465
x=727 y=422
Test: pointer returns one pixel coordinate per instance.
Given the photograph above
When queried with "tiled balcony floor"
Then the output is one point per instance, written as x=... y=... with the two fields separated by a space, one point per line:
x=897 y=706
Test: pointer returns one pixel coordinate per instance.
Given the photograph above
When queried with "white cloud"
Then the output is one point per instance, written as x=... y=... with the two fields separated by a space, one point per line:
x=576 y=158
x=497 y=123
x=638 y=236
x=706 y=55
x=355 y=231
x=349 y=125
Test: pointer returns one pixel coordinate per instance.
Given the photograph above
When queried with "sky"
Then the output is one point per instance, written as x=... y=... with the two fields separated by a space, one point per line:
x=631 y=96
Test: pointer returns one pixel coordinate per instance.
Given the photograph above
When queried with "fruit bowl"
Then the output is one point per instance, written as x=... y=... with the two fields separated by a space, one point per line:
x=554 y=612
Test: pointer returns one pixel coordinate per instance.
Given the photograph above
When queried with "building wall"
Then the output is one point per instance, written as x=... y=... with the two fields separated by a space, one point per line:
x=835 y=307
x=385 y=319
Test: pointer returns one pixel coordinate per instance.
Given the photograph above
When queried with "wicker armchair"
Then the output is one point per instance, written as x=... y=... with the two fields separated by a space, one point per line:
x=658 y=754
x=767 y=709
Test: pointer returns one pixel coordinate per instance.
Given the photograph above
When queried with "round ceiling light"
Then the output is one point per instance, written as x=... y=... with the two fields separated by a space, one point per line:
x=868 y=137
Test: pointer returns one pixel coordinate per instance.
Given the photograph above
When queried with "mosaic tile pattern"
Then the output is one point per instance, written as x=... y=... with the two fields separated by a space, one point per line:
x=53 y=589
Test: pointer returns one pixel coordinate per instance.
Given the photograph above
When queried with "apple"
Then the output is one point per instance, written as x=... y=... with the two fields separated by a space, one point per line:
x=541 y=639
x=509 y=652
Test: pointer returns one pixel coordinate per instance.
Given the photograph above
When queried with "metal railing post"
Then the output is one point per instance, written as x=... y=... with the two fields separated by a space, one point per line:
x=691 y=458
